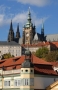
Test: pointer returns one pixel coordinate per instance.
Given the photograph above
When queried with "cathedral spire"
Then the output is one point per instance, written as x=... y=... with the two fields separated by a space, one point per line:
x=18 y=27
x=11 y=27
x=11 y=33
x=42 y=28
x=17 y=32
x=42 y=31
x=29 y=16
x=42 y=24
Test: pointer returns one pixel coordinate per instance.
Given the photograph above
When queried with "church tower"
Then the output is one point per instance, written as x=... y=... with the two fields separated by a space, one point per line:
x=27 y=73
x=42 y=32
x=28 y=30
x=11 y=33
x=17 y=32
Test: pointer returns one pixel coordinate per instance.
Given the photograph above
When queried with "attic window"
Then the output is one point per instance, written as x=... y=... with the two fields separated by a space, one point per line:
x=2 y=62
x=14 y=67
x=16 y=59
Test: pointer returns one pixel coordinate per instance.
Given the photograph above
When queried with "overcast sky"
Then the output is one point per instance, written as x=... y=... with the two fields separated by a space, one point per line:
x=17 y=10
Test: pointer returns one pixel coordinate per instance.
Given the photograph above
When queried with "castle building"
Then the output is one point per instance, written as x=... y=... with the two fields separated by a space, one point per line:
x=29 y=37
x=29 y=34
x=28 y=72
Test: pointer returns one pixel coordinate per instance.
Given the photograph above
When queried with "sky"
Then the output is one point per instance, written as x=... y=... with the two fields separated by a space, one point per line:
x=17 y=11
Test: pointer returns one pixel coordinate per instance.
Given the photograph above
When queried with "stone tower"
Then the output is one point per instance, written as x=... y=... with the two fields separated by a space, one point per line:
x=27 y=73
x=28 y=30
x=17 y=32
x=11 y=33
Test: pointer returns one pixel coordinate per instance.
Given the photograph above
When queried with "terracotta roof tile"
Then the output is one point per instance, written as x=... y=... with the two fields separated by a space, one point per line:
x=42 y=67
x=45 y=71
x=54 y=64
x=36 y=45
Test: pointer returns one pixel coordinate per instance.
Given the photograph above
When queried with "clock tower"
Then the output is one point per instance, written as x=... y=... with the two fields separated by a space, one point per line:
x=28 y=30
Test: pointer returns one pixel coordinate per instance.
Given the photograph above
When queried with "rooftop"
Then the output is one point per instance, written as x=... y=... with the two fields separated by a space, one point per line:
x=40 y=66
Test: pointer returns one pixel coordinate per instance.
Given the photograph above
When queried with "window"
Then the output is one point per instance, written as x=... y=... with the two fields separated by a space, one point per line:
x=17 y=82
x=26 y=82
x=26 y=70
x=6 y=83
x=31 y=70
x=32 y=81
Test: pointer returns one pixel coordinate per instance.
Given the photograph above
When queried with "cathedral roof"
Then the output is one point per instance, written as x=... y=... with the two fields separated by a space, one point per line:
x=36 y=36
x=8 y=43
x=52 y=37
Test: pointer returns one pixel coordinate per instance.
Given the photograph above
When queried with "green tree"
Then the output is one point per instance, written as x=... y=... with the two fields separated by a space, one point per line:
x=7 y=55
x=52 y=56
x=42 y=52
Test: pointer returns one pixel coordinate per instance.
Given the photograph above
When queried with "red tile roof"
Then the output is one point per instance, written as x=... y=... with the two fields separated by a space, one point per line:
x=36 y=45
x=40 y=66
x=55 y=64
x=45 y=71
x=55 y=43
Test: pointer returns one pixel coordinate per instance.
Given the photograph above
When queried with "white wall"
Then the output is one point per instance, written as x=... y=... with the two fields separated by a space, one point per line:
x=14 y=50
x=43 y=82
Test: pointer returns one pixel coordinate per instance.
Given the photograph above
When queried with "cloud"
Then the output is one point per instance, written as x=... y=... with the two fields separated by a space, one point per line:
x=39 y=3
x=4 y=20
x=2 y=8
x=21 y=18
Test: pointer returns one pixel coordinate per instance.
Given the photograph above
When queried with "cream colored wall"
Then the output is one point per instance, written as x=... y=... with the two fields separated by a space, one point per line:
x=28 y=75
x=25 y=74
x=34 y=49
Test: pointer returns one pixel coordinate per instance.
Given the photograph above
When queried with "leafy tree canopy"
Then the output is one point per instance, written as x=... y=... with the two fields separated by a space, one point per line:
x=41 y=52
x=7 y=55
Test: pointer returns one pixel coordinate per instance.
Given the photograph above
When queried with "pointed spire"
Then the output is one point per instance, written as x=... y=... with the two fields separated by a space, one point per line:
x=11 y=27
x=29 y=11
x=42 y=24
x=42 y=28
x=17 y=32
x=29 y=15
x=18 y=28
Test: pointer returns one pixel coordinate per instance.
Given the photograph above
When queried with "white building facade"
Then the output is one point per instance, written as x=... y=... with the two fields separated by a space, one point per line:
x=10 y=47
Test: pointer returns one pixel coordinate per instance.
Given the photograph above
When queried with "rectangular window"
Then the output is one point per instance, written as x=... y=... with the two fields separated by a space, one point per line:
x=26 y=82
x=17 y=82
x=32 y=81
x=6 y=83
